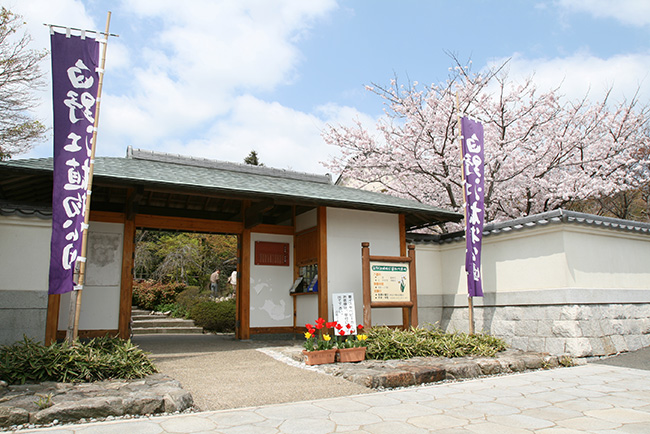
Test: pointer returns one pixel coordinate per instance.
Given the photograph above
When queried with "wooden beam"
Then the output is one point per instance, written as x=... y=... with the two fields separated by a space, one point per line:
x=254 y=214
x=273 y=229
x=126 y=282
x=323 y=308
x=406 y=312
x=186 y=224
x=244 y=287
x=52 y=321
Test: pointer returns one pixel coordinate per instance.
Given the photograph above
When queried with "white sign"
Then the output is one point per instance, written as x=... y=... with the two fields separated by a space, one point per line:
x=343 y=307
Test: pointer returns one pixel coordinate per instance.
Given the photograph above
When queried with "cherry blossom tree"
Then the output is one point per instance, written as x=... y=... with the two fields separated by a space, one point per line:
x=542 y=151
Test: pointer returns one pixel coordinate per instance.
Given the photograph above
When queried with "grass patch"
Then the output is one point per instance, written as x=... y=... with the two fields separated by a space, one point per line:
x=104 y=358
x=386 y=343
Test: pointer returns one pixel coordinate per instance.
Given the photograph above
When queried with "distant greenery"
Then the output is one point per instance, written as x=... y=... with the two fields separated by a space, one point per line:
x=99 y=359
x=149 y=294
x=214 y=316
x=385 y=343
x=183 y=257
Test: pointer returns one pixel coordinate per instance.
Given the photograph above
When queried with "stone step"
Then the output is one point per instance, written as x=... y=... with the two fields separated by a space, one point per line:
x=167 y=330
x=140 y=317
x=163 y=322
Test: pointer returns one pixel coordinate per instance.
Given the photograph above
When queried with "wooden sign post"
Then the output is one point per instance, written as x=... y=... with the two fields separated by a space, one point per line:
x=389 y=281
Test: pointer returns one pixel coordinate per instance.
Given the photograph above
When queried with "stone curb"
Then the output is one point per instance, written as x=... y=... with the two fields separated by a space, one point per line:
x=51 y=402
x=385 y=374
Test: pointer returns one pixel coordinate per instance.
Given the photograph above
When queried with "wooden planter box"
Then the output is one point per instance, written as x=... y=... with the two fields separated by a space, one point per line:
x=319 y=357
x=356 y=354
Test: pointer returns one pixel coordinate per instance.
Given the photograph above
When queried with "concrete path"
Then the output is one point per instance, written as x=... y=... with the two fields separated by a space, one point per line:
x=221 y=372
x=593 y=398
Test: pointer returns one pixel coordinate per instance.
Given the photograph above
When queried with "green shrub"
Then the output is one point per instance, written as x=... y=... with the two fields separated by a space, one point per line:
x=98 y=359
x=214 y=316
x=191 y=296
x=384 y=343
x=175 y=310
x=147 y=294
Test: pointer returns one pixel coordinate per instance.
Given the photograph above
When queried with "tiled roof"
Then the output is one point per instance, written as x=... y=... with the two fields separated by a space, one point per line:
x=153 y=168
x=558 y=216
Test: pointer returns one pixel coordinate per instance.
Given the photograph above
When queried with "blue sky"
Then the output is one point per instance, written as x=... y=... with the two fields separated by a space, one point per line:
x=217 y=79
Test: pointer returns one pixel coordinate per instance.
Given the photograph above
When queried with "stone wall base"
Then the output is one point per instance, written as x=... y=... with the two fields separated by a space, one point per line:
x=577 y=330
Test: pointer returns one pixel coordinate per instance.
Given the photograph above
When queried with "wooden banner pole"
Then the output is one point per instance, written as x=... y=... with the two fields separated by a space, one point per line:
x=365 y=266
x=470 y=302
x=75 y=300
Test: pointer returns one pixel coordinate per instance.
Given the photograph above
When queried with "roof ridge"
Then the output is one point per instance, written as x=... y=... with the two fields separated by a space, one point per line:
x=164 y=157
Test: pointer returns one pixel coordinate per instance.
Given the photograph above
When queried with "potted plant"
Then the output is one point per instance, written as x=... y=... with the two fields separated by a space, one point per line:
x=351 y=348
x=319 y=345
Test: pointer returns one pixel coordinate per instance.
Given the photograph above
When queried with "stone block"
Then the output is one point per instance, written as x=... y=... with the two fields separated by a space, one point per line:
x=526 y=328
x=519 y=343
x=619 y=343
x=634 y=342
x=177 y=400
x=566 y=329
x=503 y=328
x=13 y=416
x=490 y=366
x=74 y=410
x=545 y=328
x=578 y=347
x=463 y=370
x=591 y=328
x=555 y=345
x=426 y=374
x=394 y=379
x=536 y=344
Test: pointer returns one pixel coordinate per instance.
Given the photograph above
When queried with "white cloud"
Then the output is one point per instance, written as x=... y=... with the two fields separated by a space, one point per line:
x=584 y=73
x=630 y=12
x=283 y=137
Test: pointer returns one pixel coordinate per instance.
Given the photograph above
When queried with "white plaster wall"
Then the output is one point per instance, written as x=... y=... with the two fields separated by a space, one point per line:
x=531 y=260
x=270 y=302
x=100 y=300
x=306 y=220
x=306 y=309
x=607 y=259
x=24 y=265
x=346 y=230
x=24 y=253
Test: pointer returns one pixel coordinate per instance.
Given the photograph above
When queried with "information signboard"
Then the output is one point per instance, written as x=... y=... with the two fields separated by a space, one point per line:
x=389 y=281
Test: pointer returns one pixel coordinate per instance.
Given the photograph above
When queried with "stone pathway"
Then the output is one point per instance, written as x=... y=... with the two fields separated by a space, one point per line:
x=592 y=398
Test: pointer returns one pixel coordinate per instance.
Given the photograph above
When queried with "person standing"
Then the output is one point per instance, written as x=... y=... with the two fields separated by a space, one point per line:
x=214 y=283
x=232 y=280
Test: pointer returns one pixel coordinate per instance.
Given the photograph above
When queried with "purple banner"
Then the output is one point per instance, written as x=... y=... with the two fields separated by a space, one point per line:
x=74 y=83
x=473 y=154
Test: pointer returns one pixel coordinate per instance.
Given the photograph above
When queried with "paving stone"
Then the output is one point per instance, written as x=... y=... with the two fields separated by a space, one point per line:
x=620 y=415
x=235 y=418
x=307 y=425
x=355 y=418
x=187 y=424
x=588 y=424
x=520 y=421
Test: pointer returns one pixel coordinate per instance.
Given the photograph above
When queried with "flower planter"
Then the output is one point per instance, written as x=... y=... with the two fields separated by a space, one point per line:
x=356 y=354
x=319 y=357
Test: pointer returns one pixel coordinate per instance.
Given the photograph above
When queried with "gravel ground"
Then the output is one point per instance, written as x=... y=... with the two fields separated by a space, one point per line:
x=221 y=372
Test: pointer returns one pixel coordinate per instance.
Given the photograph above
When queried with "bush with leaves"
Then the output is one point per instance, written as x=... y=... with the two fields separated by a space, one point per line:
x=147 y=294
x=385 y=343
x=214 y=316
x=99 y=359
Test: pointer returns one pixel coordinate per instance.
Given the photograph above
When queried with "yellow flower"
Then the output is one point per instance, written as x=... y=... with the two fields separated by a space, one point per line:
x=327 y=337
x=362 y=337
x=307 y=335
